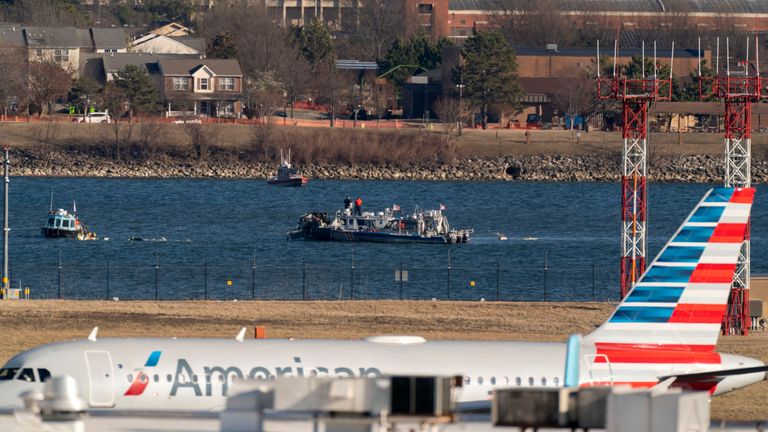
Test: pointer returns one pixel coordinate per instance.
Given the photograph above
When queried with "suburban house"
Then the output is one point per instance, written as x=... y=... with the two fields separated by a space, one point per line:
x=11 y=38
x=212 y=87
x=60 y=45
x=152 y=43
x=172 y=29
x=109 y=40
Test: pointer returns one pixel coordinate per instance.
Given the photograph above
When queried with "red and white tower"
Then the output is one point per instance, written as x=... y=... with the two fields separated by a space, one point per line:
x=739 y=89
x=635 y=94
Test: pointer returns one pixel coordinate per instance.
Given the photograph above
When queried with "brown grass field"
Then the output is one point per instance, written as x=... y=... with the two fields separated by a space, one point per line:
x=29 y=323
x=474 y=142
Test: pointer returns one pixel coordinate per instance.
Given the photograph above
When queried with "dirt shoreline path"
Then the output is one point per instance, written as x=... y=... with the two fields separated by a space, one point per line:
x=30 y=323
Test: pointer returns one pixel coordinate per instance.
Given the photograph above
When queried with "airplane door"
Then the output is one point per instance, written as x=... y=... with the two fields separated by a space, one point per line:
x=599 y=369
x=101 y=379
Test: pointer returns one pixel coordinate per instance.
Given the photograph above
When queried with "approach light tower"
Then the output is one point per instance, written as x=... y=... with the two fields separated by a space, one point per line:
x=635 y=94
x=738 y=89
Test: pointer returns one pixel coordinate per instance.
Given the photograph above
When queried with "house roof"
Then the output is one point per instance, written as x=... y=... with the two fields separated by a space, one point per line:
x=117 y=61
x=188 y=66
x=192 y=42
x=11 y=35
x=109 y=38
x=57 y=37
x=706 y=6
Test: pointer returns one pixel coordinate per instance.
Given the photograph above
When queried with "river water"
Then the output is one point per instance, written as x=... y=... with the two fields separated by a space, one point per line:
x=225 y=239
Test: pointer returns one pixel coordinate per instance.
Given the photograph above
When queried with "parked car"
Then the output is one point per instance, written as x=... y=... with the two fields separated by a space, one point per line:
x=533 y=121
x=94 y=117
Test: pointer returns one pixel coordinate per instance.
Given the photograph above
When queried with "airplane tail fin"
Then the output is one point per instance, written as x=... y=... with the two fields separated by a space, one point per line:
x=680 y=300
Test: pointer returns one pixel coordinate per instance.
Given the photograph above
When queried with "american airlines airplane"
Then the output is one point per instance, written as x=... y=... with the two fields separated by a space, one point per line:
x=662 y=334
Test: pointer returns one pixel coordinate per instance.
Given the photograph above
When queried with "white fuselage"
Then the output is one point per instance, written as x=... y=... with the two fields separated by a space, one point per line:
x=194 y=374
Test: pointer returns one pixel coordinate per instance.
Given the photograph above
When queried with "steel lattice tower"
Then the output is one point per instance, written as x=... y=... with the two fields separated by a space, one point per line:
x=738 y=89
x=635 y=94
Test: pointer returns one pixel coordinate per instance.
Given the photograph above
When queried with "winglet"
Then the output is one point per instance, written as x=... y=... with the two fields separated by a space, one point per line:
x=571 y=376
x=94 y=332
x=240 y=336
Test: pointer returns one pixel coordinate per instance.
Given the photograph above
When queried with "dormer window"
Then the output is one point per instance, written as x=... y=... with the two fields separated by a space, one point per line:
x=202 y=84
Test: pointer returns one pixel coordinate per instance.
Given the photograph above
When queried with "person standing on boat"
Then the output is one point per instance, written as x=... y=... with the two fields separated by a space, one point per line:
x=359 y=206
x=347 y=203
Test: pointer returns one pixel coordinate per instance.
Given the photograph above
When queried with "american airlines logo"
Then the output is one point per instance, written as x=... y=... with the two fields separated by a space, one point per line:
x=184 y=372
x=141 y=381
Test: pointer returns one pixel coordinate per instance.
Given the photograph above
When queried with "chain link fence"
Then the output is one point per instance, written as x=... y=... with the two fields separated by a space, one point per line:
x=319 y=281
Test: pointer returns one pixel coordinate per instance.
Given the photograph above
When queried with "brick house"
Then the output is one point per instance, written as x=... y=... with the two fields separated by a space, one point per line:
x=212 y=87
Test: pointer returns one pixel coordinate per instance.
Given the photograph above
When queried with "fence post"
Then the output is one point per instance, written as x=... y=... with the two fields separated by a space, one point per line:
x=449 y=273
x=253 y=279
x=107 y=280
x=59 y=274
x=498 y=282
x=546 y=269
x=205 y=280
x=304 y=280
x=157 y=278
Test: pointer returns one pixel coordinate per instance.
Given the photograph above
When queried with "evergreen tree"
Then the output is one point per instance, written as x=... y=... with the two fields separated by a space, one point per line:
x=408 y=56
x=139 y=90
x=314 y=41
x=489 y=72
x=223 y=46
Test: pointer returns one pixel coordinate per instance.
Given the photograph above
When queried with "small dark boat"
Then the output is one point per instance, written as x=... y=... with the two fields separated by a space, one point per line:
x=287 y=175
x=62 y=224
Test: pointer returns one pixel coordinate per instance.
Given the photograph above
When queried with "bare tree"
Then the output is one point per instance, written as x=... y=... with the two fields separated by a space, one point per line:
x=575 y=96
x=380 y=23
x=533 y=22
x=47 y=83
x=13 y=88
x=114 y=100
x=450 y=112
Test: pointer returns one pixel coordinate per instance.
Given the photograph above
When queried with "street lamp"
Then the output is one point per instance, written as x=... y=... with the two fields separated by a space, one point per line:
x=461 y=105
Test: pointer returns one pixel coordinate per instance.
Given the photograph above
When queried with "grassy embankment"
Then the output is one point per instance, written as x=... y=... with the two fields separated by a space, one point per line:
x=312 y=145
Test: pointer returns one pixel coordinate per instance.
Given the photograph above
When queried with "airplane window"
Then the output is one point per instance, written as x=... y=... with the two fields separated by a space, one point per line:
x=157 y=378
x=143 y=378
x=194 y=377
x=493 y=380
x=26 y=375
x=43 y=374
x=530 y=380
x=467 y=380
x=543 y=381
x=8 y=373
x=130 y=378
x=479 y=380
x=207 y=378
x=221 y=378
x=169 y=377
x=518 y=381
x=557 y=381
x=182 y=379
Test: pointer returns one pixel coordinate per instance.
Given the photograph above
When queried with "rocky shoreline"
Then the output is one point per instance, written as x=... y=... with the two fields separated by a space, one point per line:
x=672 y=168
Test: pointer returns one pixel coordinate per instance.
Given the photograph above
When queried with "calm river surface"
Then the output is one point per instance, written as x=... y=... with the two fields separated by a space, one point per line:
x=226 y=239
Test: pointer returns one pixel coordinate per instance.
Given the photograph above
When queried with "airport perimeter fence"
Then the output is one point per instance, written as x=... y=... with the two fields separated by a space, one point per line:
x=316 y=281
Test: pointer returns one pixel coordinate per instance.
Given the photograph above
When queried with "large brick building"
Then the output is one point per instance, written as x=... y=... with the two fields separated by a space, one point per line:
x=457 y=18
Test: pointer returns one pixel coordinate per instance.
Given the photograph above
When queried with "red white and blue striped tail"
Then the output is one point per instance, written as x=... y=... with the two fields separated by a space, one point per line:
x=679 y=302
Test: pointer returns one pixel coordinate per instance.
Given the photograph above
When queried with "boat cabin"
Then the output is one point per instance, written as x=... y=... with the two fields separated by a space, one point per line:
x=61 y=220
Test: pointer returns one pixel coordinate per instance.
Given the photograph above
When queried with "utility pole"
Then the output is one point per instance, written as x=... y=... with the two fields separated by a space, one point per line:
x=6 y=281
